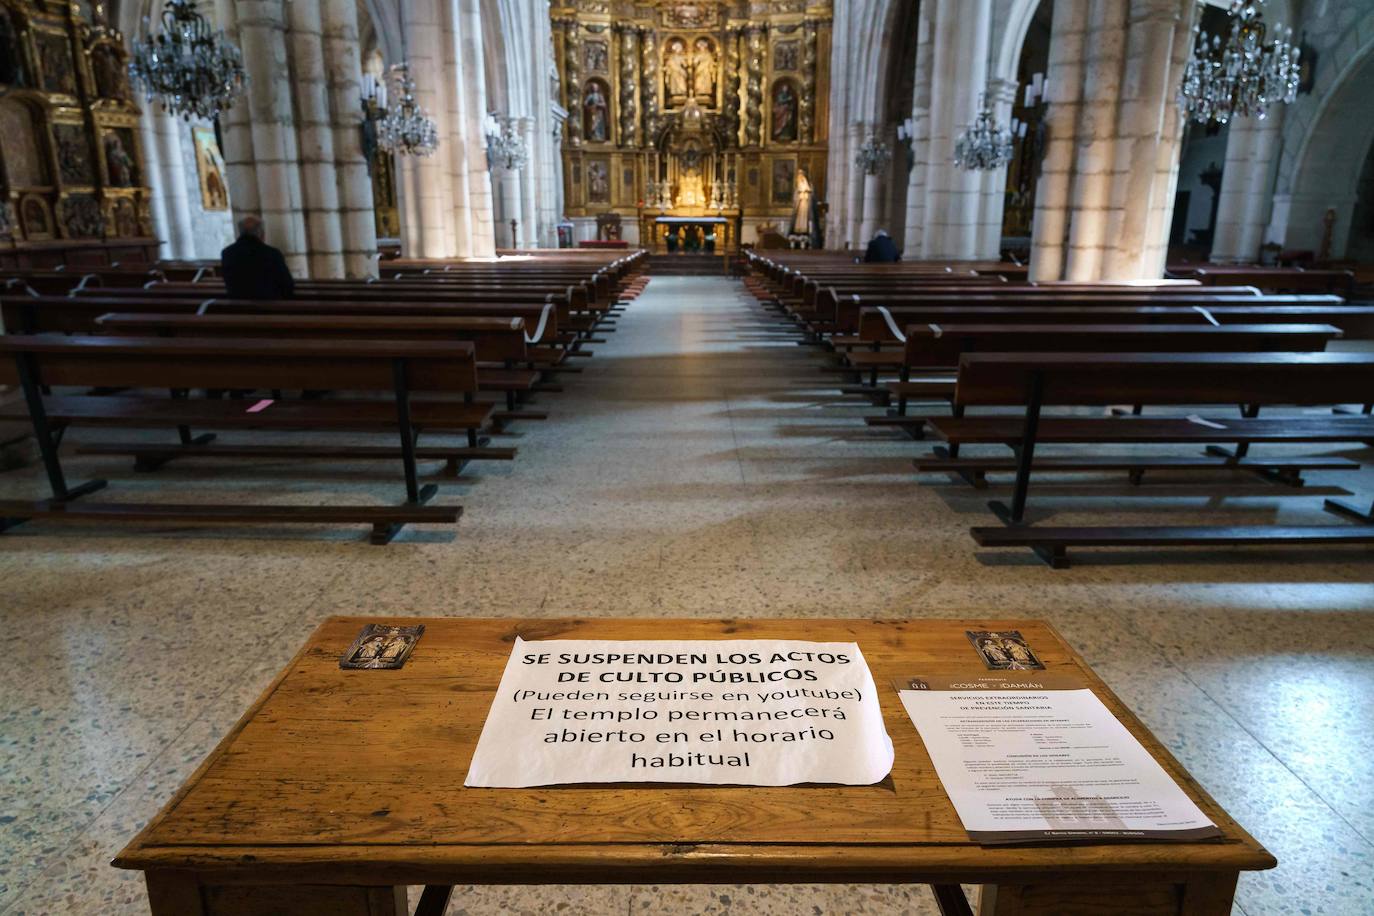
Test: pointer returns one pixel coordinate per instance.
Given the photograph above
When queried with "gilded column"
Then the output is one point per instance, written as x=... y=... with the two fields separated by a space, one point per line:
x=753 y=106
x=572 y=72
x=806 y=110
x=733 y=64
x=648 y=82
x=629 y=64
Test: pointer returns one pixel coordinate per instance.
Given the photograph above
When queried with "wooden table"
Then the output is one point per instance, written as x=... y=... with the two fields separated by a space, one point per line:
x=338 y=788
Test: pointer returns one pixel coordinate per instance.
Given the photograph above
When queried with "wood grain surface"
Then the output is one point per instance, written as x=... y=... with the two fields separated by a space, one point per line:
x=332 y=772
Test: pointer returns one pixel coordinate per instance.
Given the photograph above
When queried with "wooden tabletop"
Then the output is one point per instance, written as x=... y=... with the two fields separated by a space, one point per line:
x=334 y=774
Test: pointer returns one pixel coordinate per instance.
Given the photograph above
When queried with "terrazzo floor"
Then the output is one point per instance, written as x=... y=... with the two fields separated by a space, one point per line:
x=701 y=465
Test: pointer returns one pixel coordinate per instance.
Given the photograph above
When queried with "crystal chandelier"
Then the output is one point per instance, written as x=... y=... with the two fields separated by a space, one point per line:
x=873 y=156
x=191 y=69
x=406 y=129
x=505 y=148
x=984 y=146
x=1244 y=76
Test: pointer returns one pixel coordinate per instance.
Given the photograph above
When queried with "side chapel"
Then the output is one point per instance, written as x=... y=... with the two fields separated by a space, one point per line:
x=73 y=186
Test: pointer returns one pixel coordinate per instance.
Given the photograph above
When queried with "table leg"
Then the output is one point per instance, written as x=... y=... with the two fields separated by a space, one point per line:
x=174 y=894
x=1119 y=894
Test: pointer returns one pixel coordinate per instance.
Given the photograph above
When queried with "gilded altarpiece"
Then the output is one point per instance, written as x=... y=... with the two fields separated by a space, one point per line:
x=71 y=158
x=683 y=110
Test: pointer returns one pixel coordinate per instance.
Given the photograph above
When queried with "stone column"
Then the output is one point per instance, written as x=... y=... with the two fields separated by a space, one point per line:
x=424 y=184
x=993 y=190
x=509 y=181
x=914 y=237
x=293 y=147
x=854 y=194
x=171 y=204
x=343 y=64
x=629 y=64
x=1105 y=196
x=560 y=201
x=733 y=65
x=959 y=40
x=315 y=138
x=529 y=229
x=261 y=154
x=648 y=83
x=160 y=181
x=572 y=81
x=872 y=207
x=544 y=153
x=1246 y=187
x=753 y=106
x=473 y=210
x=806 y=108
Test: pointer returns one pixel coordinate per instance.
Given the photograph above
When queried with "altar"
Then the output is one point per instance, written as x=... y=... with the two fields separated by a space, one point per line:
x=691 y=112
x=722 y=231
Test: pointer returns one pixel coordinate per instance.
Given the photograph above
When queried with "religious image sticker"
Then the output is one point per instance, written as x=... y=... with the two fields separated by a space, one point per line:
x=1003 y=651
x=379 y=646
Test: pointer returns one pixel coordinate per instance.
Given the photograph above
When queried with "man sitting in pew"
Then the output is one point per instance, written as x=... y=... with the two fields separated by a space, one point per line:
x=882 y=250
x=252 y=268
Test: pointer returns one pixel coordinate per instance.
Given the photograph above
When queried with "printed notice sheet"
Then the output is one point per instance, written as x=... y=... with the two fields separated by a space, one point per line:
x=721 y=712
x=1023 y=764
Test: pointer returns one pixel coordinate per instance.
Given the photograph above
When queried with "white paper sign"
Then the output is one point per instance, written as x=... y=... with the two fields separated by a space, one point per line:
x=759 y=712
x=1048 y=765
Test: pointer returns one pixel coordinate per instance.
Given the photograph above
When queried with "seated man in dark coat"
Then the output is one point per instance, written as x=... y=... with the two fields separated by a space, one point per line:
x=252 y=268
x=882 y=250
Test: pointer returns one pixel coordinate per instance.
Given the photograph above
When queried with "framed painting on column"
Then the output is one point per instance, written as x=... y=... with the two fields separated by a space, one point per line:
x=214 y=189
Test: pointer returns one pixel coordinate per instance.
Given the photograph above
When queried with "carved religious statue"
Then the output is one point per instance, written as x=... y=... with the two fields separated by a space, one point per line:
x=675 y=72
x=597 y=122
x=118 y=163
x=704 y=71
x=691 y=190
x=802 y=222
x=784 y=113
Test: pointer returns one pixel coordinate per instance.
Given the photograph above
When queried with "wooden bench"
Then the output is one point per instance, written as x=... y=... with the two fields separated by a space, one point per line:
x=1034 y=381
x=881 y=327
x=936 y=348
x=1278 y=279
x=400 y=369
x=45 y=314
x=501 y=346
x=887 y=326
x=848 y=311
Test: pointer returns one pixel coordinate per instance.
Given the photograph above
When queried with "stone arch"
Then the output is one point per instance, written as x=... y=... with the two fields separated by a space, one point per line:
x=1324 y=172
x=386 y=21
x=504 y=92
x=1017 y=23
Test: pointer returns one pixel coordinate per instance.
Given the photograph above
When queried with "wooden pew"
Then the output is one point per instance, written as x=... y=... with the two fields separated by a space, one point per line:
x=848 y=312
x=501 y=347
x=571 y=329
x=400 y=369
x=881 y=327
x=935 y=348
x=1278 y=279
x=887 y=325
x=1034 y=381
x=81 y=314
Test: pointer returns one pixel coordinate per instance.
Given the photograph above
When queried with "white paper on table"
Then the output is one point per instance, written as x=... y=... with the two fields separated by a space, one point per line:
x=787 y=712
x=1048 y=765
